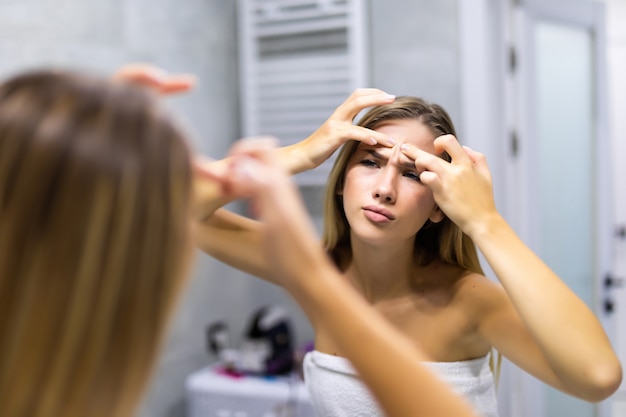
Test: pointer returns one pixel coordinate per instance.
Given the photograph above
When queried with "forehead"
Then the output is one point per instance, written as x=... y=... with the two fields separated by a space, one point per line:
x=406 y=131
x=409 y=131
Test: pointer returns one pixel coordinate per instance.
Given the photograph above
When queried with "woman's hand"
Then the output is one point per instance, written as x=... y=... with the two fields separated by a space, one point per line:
x=462 y=188
x=150 y=76
x=580 y=360
x=289 y=239
x=208 y=186
x=338 y=129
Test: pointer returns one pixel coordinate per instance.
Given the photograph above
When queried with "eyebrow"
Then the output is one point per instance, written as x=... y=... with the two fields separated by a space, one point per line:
x=375 y=154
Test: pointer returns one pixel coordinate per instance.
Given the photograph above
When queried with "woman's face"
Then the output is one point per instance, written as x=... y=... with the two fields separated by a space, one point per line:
x=383 y=197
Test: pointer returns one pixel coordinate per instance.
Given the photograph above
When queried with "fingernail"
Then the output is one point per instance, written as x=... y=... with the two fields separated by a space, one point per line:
x=373 y=141
x=404 y=147
x=391 y=141
x=390 y=97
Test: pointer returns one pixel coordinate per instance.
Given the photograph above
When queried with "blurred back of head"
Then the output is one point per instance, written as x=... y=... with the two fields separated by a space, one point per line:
x=95 y=189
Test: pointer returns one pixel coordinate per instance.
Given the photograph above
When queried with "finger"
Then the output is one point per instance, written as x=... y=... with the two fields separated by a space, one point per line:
x=423 y=160
x=205 y=167
x=365 y=92
x=145 y=74
x=472 y=154
x=261 y=148
x=451 y=145
x=361 y=99
x=369 y=136
x=251 y=176
x=479 y=160
x=154 y=77
x=428 y=178
x=177 y=84
x=209 y=183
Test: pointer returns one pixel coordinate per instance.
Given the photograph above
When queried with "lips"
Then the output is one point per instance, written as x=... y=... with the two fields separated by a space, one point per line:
x=378 y=213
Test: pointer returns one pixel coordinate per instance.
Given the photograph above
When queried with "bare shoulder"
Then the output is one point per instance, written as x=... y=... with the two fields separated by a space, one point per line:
x=480 y=293
x=470 y=281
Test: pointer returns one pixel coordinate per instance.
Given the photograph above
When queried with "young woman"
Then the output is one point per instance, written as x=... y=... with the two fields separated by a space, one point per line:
x=405 y=204
x=98 y=198
x=400 y=382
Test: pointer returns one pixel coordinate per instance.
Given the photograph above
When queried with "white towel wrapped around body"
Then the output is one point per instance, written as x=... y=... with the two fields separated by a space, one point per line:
x=336 y=390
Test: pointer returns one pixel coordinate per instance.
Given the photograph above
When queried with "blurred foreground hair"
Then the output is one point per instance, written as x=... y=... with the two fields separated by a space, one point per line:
x=95 y=195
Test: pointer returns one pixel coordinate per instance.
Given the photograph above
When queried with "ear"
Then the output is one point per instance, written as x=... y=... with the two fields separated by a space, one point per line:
x=436 y=215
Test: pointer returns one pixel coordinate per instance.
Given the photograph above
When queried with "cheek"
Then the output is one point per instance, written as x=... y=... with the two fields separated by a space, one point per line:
x=349 y=198
x=415 y=191
x=352 y=183
x=425 y=198
x=352 y=195
x=422 y=203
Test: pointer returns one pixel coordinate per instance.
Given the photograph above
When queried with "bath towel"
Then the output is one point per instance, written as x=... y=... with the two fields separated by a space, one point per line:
x=336 y=390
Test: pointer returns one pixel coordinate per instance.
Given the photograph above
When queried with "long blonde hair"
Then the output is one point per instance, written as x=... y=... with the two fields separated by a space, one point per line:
x=443 y=240
x=95 y=195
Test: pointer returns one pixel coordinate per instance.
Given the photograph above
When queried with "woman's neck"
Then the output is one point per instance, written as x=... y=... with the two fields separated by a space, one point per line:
x=381 y=272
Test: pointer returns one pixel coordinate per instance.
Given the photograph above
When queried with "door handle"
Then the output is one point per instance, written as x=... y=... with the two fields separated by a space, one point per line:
x=612 y=282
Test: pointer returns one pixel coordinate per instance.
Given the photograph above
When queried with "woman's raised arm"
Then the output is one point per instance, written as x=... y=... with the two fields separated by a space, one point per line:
x=557 y=337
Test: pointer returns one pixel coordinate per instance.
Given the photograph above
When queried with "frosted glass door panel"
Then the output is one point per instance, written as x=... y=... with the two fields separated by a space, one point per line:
x=565 y=155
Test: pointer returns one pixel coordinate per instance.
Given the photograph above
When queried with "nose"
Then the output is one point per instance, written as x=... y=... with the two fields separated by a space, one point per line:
x=385 y=188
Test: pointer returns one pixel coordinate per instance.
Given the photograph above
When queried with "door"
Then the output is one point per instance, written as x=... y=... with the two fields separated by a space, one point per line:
x=561 y=170
x=616 y=294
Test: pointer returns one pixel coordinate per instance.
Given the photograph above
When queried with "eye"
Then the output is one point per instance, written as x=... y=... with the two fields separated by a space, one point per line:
x=412 y=175
x=369 y=163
